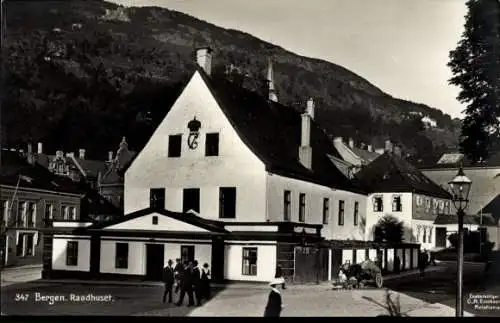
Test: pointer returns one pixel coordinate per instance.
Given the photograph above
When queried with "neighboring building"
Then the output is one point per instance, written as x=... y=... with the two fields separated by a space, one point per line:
x=233 y=179
x=353 y=159
x=31 y=197
x=77 y=168
x=111 y=183
x=484 y=175
x=399 y=189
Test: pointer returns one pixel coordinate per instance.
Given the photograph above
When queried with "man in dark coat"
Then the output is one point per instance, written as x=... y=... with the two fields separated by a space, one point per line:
x=205 y=282
x=274 y=303
x=187 y=285
x=279 y=274
x=168 y=280
x=196 y=280
x=177 y=274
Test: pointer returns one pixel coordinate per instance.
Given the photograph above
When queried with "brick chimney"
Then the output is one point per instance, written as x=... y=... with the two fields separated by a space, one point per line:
x=305 y=149
x=272 y=96
x=204 y=59
x=81 y=153
x=351 y=143
x=40 y=148
x=388 y=146
x=369 y=148
x=110 y=155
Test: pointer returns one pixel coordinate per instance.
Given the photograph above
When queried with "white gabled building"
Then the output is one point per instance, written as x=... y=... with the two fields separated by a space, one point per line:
x=235 y=179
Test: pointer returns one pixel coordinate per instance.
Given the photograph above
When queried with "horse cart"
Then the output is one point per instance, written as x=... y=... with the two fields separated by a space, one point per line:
x=359 y=275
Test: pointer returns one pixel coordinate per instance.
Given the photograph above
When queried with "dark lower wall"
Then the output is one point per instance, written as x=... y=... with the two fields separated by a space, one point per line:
x=285 y=258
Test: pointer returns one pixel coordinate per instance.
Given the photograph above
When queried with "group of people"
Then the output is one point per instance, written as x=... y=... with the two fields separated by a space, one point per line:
x=187 y=278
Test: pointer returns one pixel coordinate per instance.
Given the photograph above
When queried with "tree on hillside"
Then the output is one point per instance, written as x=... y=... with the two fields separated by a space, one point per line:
x=388 y=229
x=475 y=64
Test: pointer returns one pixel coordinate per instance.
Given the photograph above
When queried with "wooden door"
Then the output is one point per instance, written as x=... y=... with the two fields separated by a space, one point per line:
x=336 y=262
x=155 y=258
x=311 y=264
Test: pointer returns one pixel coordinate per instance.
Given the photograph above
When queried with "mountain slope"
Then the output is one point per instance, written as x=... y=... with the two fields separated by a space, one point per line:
x=85 y=73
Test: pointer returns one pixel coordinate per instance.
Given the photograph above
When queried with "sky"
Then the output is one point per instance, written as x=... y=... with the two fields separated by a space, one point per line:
x=400 y=46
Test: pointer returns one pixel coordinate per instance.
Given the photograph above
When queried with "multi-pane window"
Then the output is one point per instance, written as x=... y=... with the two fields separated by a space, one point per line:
x=227 y=202
x=302 y=207
x=287 y=205
x=174 y=145
x=356 y=213
x=341 y=212
x=191 y=200
x=157 y=198
x=121 y=255
x=326 y=210
x=30 y=214
x=72 y=253
x=187 y=254
x=65 y=212
x=4 y=212
x=212 y=144
x=72 y=213
x=397 y=205
x=21 y=213
x=249 y=265
x=378 y=204
x=49 y=211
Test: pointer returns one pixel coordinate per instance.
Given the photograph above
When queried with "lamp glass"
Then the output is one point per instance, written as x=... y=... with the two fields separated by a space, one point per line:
x=460 y=188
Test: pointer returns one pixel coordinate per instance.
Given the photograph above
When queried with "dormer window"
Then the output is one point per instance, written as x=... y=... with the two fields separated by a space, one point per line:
x=174 y=145
x=397 y=205
x=212 y=144
x=378 y=204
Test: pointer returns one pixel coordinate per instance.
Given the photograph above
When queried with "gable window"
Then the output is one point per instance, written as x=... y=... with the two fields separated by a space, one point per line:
x=72 y=213
x=227 y=202
x=212 y=144
x=174 y=145
x=326 y=210
x=341 y=212
x=154 y=220
x=191 y=200
x=157 y=198
x=72 y=253
x=121 y=255
x=249 y=265
x=397 y=205
x=287 y=205
x=302 y=207
x=21 y=214
x=378 y=204
x=356 y=214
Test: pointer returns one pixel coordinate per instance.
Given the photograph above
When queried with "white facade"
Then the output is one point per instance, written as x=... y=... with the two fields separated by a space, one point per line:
x=266 y=260
x=314 y=193
x=60 y=249
x=164 y=223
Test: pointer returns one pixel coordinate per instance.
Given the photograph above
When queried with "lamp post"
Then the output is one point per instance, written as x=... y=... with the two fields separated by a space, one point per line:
x=460 y=188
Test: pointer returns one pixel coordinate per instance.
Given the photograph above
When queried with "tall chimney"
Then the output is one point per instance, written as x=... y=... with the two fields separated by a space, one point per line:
x=31 y=158
x=310 y=108
x=351 y=143
x=110 y=155
x=81 y=153
x=388 y=146
x=369 y=148
x=272 y=96
x=305 y=149
x=204 y=59
x=40 y=148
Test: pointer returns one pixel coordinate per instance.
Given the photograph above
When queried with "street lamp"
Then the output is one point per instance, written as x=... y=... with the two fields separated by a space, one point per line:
x=460 y=188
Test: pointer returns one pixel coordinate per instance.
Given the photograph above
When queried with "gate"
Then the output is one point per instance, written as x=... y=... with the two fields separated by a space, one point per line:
x=311 y=264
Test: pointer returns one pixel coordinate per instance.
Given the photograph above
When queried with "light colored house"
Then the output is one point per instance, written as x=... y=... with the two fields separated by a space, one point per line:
x=402 y=191
x=232 y=178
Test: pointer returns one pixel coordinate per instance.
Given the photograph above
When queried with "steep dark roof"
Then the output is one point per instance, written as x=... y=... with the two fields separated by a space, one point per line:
x=390 y=173
x=91 y=167
x=211 y=225
x=487 y=219
x=452 y=159
x=493 y=208
x=14 y=167
x=272 y=131
x=366 y=155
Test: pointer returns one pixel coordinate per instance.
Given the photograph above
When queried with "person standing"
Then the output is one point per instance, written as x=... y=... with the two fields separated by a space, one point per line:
x=168 y=281
x=205 y=282
x=186 y=285
x=279 y=274
x=177 y=274
x=197 y=283
x=274 y=303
